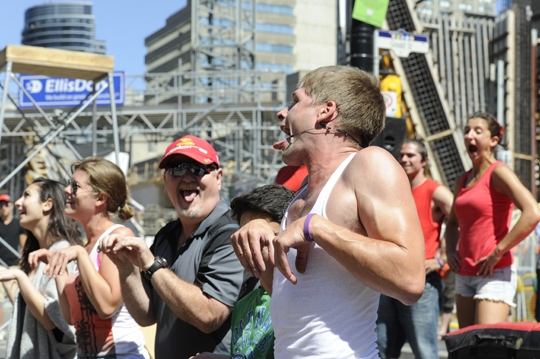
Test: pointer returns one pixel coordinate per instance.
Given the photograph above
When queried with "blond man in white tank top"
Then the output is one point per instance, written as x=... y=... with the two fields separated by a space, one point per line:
x=353 y=232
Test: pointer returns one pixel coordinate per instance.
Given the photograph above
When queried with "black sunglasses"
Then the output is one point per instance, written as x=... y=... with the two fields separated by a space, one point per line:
x=74 y=186
x=195 y=168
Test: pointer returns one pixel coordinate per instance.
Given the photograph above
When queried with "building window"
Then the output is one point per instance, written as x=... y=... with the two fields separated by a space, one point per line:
x=425 y=11
x=445 y=3
x=467 y=7
x=267 y=67
x=276 y=9
x=264 y=47
x=275 y=28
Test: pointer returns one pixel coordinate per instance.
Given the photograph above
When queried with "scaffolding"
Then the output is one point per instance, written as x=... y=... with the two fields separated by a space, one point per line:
x=222 y=40
x=242 y=133
x=50 y=62
x=426 y=101
x=222 y=99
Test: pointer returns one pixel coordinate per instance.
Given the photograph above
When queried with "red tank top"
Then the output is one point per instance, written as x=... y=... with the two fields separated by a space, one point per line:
x=484 y=220
x=423 y=195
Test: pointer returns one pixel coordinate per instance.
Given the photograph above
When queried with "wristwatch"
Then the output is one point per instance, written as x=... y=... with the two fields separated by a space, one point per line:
x=159 y=263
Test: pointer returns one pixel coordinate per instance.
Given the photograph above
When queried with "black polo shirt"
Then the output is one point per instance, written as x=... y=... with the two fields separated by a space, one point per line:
x=207 y=260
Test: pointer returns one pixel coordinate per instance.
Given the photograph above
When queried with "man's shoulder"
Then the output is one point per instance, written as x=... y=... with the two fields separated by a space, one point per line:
x=375 y=166
x=170 y=231
x=225 y=224
x=432 y=184
x=374 y=156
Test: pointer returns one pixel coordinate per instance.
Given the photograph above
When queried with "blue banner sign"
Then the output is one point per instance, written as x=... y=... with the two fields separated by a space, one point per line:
x=403 y=43
x=63 y=92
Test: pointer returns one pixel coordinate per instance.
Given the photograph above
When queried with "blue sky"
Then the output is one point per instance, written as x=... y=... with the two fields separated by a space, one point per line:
x=122 y=24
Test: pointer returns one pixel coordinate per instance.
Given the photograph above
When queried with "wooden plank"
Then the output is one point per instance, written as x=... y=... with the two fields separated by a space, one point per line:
x=482 y=77
x=55 y=62
x=442 y=63
x=449 y=69
x=468 y=70
x=455 y=71
x=461 y=79
x=475 y=83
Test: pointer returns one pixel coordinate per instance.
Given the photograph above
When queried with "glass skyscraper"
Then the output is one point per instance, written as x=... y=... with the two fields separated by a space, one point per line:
x=62 y=25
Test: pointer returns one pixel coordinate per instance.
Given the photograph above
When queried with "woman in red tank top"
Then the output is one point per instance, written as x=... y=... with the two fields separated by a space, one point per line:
x=478 y=232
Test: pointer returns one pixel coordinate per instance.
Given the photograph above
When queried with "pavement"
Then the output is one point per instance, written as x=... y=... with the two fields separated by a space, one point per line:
x=5 y=313
x=406 y=352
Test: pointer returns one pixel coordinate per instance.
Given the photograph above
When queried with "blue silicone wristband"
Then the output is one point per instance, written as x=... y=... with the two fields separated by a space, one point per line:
x=307 y=233
x=440 y=261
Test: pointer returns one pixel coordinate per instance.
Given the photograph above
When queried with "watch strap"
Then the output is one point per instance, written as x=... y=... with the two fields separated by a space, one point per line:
x=159 y=263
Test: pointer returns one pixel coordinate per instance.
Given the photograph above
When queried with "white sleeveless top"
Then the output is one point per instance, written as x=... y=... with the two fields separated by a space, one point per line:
x=118 y=336
x=328 y=313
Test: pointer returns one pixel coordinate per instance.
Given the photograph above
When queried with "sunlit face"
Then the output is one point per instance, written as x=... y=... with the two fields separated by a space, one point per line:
x=299 y=116
x=410 y=159
x=192 y=196
x=83 y=202
x=31 y=209
x=478 y=140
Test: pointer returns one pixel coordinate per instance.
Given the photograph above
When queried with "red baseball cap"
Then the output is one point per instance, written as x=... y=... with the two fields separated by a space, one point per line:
x=193 y=147
x=5 y=198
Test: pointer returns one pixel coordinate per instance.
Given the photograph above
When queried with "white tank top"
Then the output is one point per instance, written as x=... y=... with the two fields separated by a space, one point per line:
x=328 y=313
x=119 y=336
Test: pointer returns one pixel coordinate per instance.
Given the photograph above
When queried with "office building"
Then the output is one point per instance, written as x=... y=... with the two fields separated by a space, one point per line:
x=272 y=36
x=62 y=25
x=478 y=7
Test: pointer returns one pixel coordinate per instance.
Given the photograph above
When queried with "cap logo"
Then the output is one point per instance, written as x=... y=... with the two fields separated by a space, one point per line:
x=184 y=141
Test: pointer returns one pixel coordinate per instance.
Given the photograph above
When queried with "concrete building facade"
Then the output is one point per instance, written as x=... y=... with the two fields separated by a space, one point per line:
x=479 y=7
x=288 y=36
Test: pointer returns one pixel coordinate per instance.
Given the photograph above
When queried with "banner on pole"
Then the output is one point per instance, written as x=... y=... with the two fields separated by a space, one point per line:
x=370 y=12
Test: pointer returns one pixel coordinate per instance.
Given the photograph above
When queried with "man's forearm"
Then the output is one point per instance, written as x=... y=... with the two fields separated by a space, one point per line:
x=136 y=299
x=189 y=302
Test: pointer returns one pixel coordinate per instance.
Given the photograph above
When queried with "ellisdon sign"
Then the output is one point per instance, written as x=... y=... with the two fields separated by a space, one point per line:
x=63 y=92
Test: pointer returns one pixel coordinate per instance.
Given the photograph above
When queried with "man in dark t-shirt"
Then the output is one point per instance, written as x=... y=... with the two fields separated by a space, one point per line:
x=10 y=231
x=191 y=277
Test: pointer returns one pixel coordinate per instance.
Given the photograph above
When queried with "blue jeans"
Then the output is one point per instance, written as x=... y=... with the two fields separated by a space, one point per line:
x=418 y=323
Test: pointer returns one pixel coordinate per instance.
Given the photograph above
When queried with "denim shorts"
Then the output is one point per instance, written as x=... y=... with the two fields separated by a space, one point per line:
x=499 y=288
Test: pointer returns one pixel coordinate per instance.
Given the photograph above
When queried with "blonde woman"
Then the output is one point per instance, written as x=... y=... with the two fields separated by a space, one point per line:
x=91 y=298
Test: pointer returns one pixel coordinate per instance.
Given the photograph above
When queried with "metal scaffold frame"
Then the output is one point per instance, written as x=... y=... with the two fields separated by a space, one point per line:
x=52 y=62
x=243 y=133
x=425 y=100
x=223 y=39
x=222 y=99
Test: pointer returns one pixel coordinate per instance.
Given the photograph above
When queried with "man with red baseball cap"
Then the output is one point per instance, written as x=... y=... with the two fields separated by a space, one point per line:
x=193 y=147
x=191 y=275
x=10 y=231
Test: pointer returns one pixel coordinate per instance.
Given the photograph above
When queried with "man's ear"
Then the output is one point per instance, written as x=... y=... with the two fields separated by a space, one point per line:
x=327 y=112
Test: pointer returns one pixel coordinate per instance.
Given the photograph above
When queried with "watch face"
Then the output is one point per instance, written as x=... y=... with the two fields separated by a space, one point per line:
x=238 y=356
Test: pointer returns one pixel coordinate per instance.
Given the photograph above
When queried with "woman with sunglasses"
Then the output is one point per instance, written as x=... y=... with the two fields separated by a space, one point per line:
x=37 y=328
x=478 y=234
x=91 y=299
